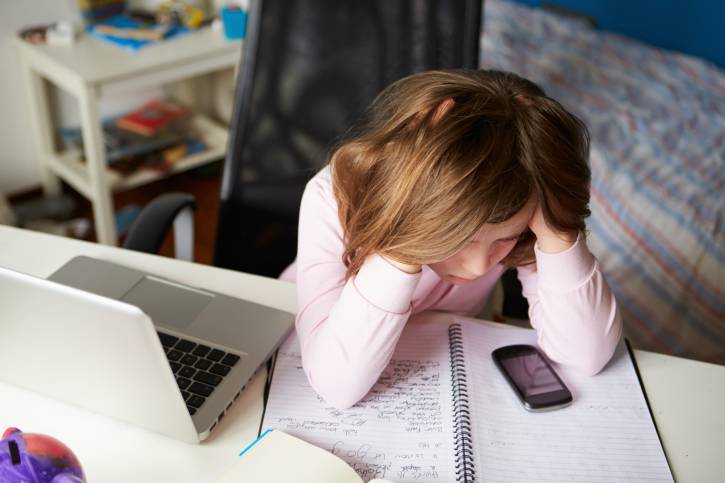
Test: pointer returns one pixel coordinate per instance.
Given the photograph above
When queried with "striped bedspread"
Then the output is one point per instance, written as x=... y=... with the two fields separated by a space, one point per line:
x=657 y=123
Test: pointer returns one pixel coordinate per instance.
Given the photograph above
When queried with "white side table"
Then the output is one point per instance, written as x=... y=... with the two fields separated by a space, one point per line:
x=91 y=69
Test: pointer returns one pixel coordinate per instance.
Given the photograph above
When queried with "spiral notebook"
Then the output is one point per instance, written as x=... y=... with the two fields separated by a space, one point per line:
x=441 y=412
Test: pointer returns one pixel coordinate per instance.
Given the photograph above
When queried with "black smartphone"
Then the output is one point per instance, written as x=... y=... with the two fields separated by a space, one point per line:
x=531 y=377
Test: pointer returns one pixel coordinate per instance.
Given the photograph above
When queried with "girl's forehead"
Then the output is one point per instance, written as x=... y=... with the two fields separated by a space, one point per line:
x=514 y=226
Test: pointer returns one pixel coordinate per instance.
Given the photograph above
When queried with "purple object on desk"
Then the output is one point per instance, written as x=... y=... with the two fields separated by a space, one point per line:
x=37 y=458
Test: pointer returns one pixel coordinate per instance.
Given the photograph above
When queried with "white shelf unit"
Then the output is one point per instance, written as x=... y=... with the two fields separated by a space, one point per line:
x=91 y=69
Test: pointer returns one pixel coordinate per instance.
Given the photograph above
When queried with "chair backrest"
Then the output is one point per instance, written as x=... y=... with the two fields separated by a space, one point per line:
x=309 y=69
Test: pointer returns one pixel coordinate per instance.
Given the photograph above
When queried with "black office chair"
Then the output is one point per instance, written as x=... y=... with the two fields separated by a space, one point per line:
x=309 y=69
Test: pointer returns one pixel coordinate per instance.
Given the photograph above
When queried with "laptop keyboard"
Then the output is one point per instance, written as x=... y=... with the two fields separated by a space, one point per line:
x=198 y=368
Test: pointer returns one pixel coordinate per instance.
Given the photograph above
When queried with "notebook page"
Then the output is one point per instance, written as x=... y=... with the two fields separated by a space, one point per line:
x=606 y=434
x=401 y=431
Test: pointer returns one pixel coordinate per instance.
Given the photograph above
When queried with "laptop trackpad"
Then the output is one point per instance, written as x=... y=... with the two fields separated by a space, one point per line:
x=167 y=303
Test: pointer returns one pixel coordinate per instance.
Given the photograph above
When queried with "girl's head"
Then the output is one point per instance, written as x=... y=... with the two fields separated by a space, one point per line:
x=449 y=168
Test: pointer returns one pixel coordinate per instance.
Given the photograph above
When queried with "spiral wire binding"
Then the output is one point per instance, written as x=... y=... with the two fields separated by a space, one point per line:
x=463 y=446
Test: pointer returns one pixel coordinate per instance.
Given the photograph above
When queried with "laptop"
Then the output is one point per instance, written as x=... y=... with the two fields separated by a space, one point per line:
x=139 y=348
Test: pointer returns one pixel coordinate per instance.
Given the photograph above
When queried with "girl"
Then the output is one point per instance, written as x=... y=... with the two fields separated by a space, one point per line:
x=456 y=176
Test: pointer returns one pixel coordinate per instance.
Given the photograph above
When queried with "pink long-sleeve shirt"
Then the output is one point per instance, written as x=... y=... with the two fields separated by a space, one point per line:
x=348 y=329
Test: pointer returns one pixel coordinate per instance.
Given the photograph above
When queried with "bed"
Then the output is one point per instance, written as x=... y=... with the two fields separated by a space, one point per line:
x=657 y=124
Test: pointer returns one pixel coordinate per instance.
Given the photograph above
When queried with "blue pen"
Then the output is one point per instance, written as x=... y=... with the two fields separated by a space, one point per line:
x=255 y=442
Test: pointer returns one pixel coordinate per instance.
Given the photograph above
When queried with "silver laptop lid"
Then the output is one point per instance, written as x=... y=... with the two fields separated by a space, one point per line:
x=90 y=351
x=217 y=321
x=229 y=322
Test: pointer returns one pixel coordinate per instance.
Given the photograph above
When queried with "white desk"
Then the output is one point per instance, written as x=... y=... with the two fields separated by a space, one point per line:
x=91 y=69
x=686 y=396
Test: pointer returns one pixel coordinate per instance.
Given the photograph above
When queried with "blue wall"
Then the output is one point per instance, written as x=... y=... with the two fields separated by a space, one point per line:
x=695 y=27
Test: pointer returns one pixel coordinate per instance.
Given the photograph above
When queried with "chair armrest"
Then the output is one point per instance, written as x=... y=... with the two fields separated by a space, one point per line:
x=152 y=225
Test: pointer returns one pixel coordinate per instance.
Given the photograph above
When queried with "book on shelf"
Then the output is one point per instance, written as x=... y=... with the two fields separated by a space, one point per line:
x=153 y=117
x=132 y=34
x=441 y=412
x=127 y=151
x=161 y=161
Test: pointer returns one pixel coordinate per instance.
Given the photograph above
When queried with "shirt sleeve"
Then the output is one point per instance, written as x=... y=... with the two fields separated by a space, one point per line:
x=347 y=329
x=572 y=308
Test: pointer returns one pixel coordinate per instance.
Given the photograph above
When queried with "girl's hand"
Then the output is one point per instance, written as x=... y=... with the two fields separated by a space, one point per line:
x=550 y=241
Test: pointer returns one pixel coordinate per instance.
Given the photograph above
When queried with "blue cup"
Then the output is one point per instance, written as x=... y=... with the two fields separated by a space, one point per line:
x=234 y=20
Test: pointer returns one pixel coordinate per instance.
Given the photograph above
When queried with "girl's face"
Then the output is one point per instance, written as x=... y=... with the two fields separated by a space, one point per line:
x=486 y=250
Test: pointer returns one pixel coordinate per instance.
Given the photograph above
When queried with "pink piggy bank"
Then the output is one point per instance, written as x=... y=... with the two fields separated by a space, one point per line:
x=37 y=458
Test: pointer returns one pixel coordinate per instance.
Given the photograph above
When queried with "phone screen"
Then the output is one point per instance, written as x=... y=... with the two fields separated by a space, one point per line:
x=531 y=374
x=532 y=377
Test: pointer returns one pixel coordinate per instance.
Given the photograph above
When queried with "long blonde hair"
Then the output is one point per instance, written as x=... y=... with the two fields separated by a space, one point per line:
x=417 y=189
